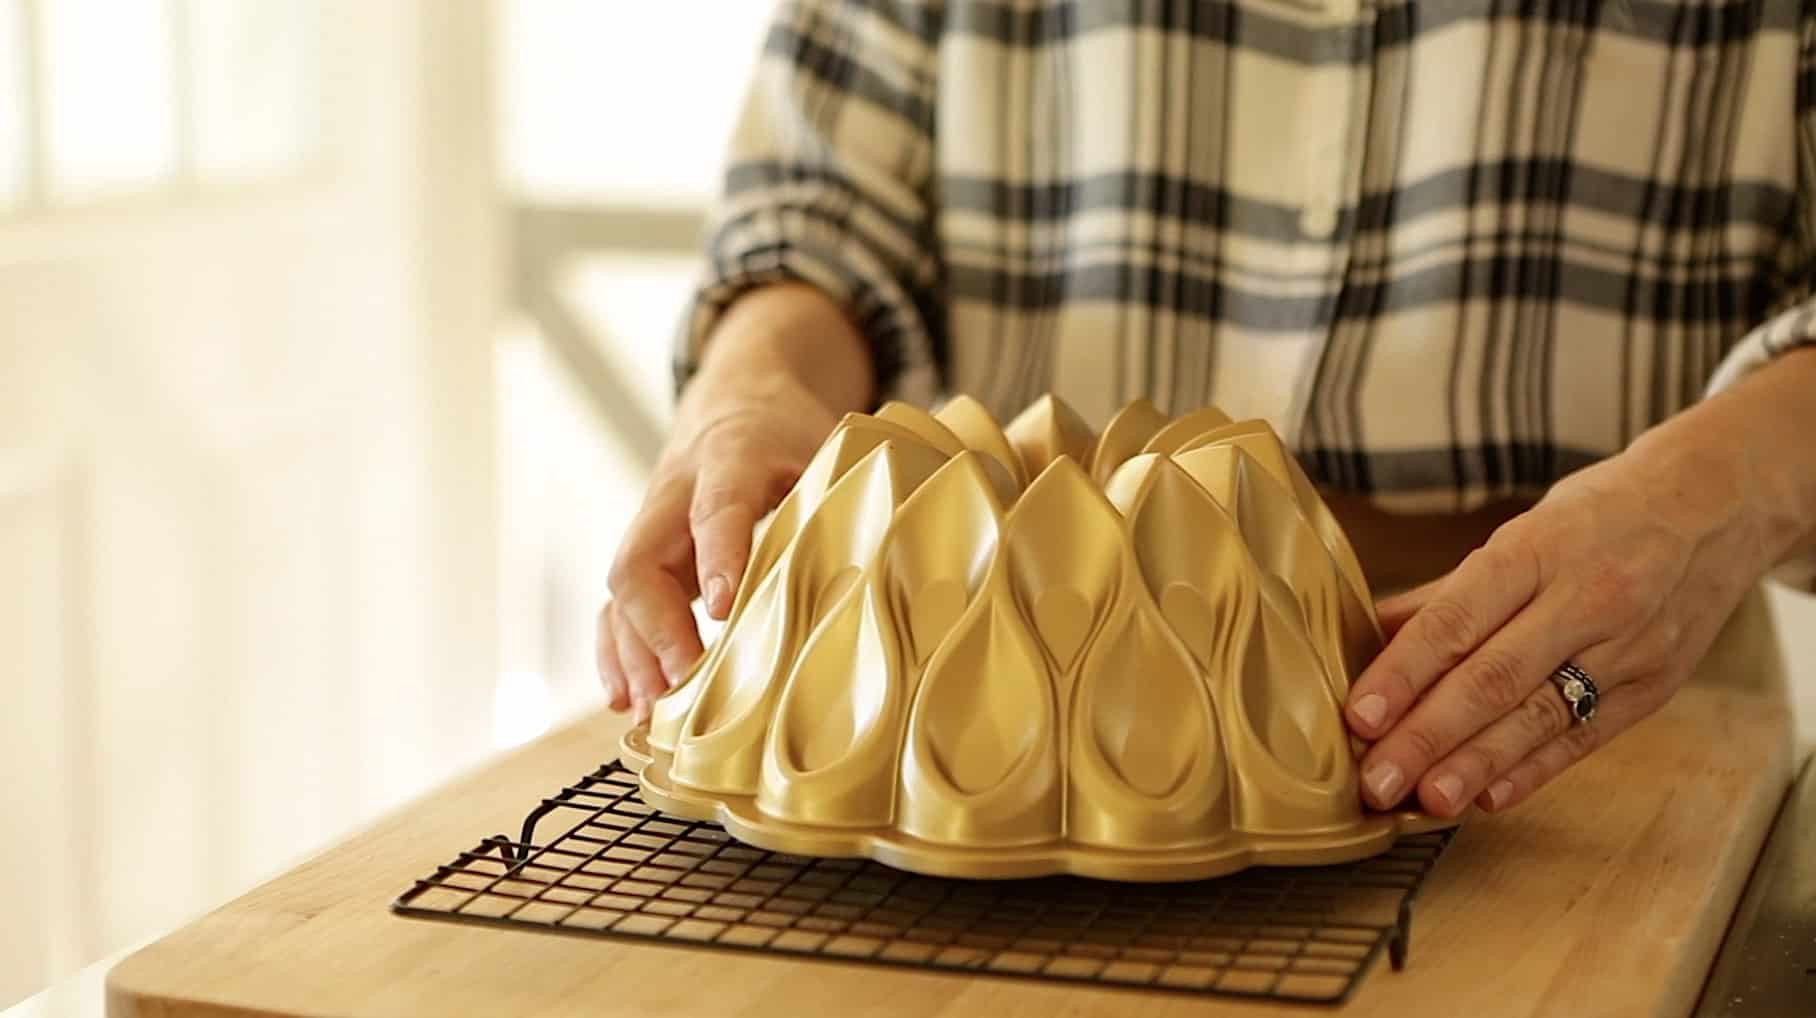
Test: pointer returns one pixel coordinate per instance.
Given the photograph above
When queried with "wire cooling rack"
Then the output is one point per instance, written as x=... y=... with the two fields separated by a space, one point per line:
x=617 y=868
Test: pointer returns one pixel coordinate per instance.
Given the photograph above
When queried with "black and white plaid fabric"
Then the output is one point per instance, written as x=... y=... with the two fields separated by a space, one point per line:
x=1451 y=249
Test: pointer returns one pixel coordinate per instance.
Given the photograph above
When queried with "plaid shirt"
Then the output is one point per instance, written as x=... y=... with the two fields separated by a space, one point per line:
x=1452 y=250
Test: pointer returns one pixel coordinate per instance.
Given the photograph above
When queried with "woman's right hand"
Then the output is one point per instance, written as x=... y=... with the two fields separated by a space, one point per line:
x=781 y=368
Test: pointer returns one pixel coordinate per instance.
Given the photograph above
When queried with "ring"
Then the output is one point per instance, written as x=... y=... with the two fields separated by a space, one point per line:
x=1579 y=691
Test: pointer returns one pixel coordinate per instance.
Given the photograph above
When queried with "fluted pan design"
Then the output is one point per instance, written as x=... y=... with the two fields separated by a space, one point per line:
x=984 y=651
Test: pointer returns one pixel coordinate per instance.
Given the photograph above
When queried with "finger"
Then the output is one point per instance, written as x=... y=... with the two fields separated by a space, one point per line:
x=1472 y=768
x=1618 y=711
x=729 y=498
x=654 y=606
x=1468 y=606
x=659 y=538
x=611 y=673
x=642 y=672
x=1395 y=610
x=1490 y=683
x=647 y=584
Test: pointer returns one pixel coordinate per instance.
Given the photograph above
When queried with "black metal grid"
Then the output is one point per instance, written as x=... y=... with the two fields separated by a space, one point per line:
x=621 y=869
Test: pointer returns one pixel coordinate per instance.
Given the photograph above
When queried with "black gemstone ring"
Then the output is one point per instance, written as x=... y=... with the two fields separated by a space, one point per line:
x=1579 y=691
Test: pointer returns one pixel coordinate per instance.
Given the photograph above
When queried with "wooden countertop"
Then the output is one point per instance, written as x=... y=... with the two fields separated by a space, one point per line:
x=1607 y=894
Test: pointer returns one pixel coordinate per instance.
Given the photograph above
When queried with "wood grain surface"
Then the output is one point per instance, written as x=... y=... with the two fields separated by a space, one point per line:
x=1607 y=894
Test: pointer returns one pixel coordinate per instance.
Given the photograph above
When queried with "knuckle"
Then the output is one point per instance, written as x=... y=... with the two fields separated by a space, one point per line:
x=610 y=675
x=737 y=439
x=661 y=643
x=1580 y=740
x=1545 y=717
x=658 y=522
x=1646 y=663
x=605 y=634
x=1396 y=683
x=716 y=500
x=605 y=655
x=629 y=570
x=727 y=427
x=1508 y=553
x=1448 y=627
x=621 y=580
x=1476 y=763
x=675 y=465
x=1663 y=544
x=635 y=666
x=1496 y=681
x=1426 y=746
x=1650 y=658
x=1608 y=585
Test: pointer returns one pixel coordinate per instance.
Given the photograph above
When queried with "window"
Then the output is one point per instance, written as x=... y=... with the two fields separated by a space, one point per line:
x=252 y=84
x=127 y=98
x=624 y=102
x=110 y=122
x=613 y=121
x=15 y=157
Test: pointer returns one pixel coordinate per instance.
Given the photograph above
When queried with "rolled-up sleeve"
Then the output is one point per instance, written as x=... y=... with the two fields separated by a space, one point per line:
x=827 y=183
x=1793 y=325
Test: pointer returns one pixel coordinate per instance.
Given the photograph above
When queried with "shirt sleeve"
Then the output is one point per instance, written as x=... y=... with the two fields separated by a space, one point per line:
x=1793 y=325
x=827 y=183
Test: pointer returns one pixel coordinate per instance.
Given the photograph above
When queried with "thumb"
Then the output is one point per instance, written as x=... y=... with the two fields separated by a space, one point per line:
x=729 y=498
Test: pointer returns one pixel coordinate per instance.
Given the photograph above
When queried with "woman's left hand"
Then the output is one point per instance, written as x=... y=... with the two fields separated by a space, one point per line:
x=1627 y=569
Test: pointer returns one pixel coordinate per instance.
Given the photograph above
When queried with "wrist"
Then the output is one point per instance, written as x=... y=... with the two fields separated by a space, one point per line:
x=1746 y=449
x=787 y=335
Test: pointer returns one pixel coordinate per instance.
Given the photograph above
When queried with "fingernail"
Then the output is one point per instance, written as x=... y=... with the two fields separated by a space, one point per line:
x=1372 y=709
x=718 y=596
x=1449 y=788
x=1499 y=793
x=640 y=710
x=1384 y=780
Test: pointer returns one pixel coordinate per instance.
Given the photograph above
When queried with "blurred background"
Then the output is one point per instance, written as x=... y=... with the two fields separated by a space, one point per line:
x=333 y=353
x=333 y=356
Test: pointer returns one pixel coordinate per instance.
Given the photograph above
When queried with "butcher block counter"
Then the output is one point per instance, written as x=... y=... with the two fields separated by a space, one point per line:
x=1608 y=893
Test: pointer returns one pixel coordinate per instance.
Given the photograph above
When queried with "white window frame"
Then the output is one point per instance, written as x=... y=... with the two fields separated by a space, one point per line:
x=184 y=185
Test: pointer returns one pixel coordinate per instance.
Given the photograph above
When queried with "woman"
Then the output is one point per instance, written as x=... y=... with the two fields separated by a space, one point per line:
x=1531 y=281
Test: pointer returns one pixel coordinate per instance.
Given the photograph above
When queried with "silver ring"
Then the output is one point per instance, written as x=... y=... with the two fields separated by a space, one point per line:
x=1579 y=691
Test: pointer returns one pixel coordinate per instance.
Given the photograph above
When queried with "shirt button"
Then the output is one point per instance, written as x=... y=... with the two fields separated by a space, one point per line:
x=1318 y=219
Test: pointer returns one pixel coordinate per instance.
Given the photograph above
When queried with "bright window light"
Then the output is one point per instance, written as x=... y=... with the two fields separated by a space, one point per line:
x=568 y=489
x=633 y=303
x=110 y=116
x=522 y=708
x=623 y=101
x=14 y=159
x=253 y=82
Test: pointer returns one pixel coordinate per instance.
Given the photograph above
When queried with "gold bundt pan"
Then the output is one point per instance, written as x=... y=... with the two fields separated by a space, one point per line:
x=974 y=651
